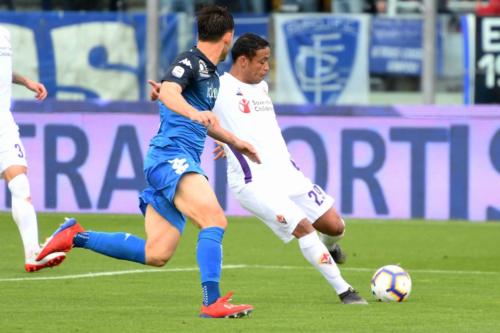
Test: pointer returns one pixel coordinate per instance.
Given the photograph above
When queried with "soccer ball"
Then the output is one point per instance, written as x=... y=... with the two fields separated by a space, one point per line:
x=391 y=283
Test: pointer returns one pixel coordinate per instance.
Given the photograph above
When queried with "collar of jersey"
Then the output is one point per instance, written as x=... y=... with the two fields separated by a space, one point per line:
x=204 y=57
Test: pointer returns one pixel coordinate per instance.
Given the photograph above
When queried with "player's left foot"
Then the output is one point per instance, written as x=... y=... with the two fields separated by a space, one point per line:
x=337 y=254
x=223 y=309
x=62 y=239
x=50 y=260
x=351 y=296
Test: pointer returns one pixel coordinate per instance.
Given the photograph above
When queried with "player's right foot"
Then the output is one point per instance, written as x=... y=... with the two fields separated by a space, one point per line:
x=223 y=309
x=50 y=260
x=337 y=254
x=62 y=239
x=351 y=296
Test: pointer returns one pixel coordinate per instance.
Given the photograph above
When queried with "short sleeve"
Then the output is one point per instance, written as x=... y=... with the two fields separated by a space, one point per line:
x=180 y=72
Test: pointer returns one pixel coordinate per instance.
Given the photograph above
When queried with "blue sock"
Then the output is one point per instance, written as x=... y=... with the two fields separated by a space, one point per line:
x=118 y=245
x=209 y=256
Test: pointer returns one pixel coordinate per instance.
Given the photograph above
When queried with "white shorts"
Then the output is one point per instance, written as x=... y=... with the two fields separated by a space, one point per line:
x=11 y=150
x=281 y=211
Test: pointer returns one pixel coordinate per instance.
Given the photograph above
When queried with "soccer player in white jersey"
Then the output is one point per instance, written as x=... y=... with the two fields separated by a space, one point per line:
x=13 y=165
x=275 y=191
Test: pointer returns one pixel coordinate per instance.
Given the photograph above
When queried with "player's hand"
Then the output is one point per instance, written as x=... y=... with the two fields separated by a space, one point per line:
x=38 y=88
x=154 y=94
x=219 y=151
x=206 y=118
x=247 y=149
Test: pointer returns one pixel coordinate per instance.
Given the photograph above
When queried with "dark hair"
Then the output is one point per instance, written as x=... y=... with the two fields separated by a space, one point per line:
x=247 y=45
x=213 y=23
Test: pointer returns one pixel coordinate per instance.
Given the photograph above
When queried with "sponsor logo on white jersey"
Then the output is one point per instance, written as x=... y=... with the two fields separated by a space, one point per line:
x=244 y=105
x=262 y=105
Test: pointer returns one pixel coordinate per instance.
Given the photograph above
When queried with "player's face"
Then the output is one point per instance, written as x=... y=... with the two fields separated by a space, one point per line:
x=258 y=67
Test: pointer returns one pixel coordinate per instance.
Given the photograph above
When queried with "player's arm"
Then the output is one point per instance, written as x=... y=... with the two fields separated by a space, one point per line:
x=171 y=96
x=218 y=133
x=219 y=150
x=178 y=77
x=36 y=87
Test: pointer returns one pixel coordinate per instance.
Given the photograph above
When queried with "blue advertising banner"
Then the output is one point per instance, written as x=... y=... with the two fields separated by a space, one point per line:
x=321 y=59
x=396 y=46
x=85 y=55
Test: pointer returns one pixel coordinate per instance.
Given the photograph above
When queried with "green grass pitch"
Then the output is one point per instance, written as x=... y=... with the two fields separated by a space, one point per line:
x=455 y=268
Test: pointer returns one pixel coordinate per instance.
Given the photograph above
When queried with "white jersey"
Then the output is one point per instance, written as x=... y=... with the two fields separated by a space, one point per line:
x=274 y=191
x=247 y=111
x=6 y=119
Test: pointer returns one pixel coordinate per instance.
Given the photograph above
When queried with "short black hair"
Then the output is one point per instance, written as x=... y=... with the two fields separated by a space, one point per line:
x=247 y=45
x=213 y=23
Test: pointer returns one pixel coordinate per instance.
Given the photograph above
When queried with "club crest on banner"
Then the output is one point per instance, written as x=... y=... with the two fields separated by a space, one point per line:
x=322 y=51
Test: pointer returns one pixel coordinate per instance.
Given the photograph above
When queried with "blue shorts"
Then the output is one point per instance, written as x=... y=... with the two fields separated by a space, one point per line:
x=164 y=167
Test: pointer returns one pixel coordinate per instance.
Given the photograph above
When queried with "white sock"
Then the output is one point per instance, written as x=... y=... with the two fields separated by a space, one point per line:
x=329 y=241
x=24 y=214
x=317 y=254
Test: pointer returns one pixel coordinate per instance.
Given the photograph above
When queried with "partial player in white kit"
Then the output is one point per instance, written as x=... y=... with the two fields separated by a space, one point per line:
x=276 y=191
x=13 y=165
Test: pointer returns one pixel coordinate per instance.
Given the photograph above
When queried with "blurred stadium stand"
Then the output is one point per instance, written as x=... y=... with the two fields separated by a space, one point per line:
x=383 y=87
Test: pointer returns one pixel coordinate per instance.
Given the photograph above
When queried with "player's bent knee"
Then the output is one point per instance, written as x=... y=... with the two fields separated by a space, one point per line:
x=158 y=259
x=303 y=228
x=334 y=230
x=212 y=218
x=338 y=229
x=330 y=224
x=158 y=254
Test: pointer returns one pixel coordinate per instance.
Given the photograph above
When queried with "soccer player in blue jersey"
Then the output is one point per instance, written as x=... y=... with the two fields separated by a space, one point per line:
x=177 y=186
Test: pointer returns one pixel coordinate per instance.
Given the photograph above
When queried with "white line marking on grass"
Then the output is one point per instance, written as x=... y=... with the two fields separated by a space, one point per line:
x=112 y=273
x=364 y=269
x=225 y=267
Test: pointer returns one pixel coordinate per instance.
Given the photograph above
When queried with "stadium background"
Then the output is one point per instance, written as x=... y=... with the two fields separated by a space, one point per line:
x=347 y=88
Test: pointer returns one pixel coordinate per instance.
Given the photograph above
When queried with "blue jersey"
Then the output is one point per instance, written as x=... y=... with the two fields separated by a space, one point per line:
x=199 y=80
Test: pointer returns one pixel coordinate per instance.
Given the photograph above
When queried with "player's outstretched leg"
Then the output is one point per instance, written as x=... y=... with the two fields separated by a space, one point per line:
x=318 y=255
x=118 y=245
x=62 y=239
